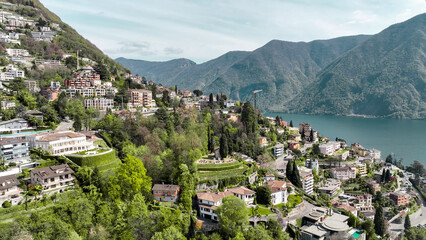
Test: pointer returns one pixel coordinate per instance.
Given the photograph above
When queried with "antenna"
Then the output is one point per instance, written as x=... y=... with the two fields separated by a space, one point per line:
x=255 y=92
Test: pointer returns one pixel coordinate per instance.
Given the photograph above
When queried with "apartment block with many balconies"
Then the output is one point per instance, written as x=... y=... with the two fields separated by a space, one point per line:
x=14 y=150
x=60 y=143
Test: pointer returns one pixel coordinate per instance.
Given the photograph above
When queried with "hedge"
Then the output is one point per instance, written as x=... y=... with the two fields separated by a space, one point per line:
x=218 y=167
x=93 y=160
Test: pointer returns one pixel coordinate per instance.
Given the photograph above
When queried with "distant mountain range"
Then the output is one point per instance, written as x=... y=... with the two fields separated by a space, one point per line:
x=382 y=75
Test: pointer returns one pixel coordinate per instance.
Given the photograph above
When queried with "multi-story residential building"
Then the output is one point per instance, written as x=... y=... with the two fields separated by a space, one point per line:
x=307 y=179
x=139 y=98
x=6 y=76
x=365 y=202
x=293 y=145
x=278 y=191
x=60 y=143
x=50 y=93
x=374 y=154
x=14 y=150
x=15 y=125
x=85 y=77
x=208 y=202
x=279 y=150
x=331 y=187
x=15 y=52
x=361 y=169
x=304 y=127
x=400 y=198
x=330 y=147
x=43 y=36
x=15 y=72
x=229 y=103
x=344 y=173
x=358 y=149
x=263 y=141
x=312 y=164
x=7 y=104
x=374 y=186
x=99 y=103
x=31 y=85
x=165 y=192
x=9 y=189
x=53 y=178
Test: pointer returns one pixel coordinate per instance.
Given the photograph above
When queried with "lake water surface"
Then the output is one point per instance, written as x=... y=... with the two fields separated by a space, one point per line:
x=404 y=138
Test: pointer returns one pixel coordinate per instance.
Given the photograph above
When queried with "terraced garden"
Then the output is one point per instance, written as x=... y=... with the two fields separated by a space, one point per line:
x=104 y=160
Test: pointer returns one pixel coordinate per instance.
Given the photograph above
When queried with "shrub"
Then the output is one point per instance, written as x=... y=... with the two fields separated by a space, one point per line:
x=6 y=204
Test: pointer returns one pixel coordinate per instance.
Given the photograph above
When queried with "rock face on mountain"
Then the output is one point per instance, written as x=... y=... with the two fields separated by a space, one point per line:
x=383 y=77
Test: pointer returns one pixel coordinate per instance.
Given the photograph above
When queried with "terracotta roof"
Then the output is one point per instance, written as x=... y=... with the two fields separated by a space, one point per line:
x=165 y=187
x=276 y=186
x=241 y=190
x=48 y=137
x=347 y=208
x=213 y=197
x=52 y=171
x=8 y=181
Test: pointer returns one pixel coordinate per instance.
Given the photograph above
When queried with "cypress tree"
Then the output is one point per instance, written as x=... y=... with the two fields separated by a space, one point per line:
x=387 y=175
x=230 y=142
x=296 y=177
x=311 y=136
x=303 y=135
x=379 y=222
x=210 y=144
x=407 y=223
x=223 y=145
x=382 y=178
x=291 y=123
x=289 y=170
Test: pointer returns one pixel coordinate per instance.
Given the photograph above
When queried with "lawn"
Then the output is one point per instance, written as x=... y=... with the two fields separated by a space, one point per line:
x=101 y=143
x=294 y=200
x=262 y=210
x=223 y=173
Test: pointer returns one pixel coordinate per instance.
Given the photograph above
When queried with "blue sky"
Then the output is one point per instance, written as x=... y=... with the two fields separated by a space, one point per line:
x=205 y=29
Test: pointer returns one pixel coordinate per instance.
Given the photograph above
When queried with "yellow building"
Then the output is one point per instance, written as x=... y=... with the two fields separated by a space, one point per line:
x=361 y=169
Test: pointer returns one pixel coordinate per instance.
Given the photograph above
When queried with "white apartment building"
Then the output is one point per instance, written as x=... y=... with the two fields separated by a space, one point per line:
x=307 y=179
x=278 y=150
x=53 y=178
x=329 y=148
x=60 y=143
x=374 y=154
x=15 y=52
x=279 y=191
x=344 y=173
x=99 y=103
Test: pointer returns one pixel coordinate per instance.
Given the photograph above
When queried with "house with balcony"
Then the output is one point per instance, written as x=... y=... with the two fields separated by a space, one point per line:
x=15 y=125
x=307 y=179
x=61 y=143
x=278 y=191
x=364 y=202
x=14 y=150
x=139 y=98
x=344 y=173
x=279 y=150
x=165 y=192
x=9 y=190
x=53 y=178
x=330 y=187
x=263 y=141
x=208 y=202
x=400 y=198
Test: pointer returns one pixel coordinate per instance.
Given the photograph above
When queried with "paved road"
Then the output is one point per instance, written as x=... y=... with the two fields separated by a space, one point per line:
x=64 y=126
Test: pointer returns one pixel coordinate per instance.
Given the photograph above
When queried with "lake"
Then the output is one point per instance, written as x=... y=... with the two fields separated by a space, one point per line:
x=404 y=138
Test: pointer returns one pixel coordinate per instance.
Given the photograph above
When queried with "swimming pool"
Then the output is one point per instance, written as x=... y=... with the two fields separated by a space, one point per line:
x=356 y=234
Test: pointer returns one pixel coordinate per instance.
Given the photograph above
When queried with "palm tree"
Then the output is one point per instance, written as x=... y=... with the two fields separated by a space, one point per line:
x=37 y=190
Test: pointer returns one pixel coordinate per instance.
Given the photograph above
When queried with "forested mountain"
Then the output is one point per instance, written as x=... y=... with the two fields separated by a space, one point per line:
x=383 y=77
x=280 y=68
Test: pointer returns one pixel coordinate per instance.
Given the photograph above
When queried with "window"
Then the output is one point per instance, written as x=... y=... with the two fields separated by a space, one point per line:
x=52 y=179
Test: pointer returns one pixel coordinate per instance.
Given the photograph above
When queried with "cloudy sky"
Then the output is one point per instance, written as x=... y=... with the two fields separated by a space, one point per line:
x=205 y=29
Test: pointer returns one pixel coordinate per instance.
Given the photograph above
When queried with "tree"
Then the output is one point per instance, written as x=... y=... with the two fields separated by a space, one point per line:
x=289 y=170
x=263 y=195
x=170 y=233
x=249 y=118
x=224 y=144
x=198 y=92
x=315 y=149
x=81 y=215
x=130 y=179
x=368 y=226
x=186 y=183
x=291 y=123
x=379 y=222
x=6 y=204
x=296 y=177
x=387 y=176
x=407 y=223
x=311 y=136
x=233 y=215
x=383 y=177
x=210 y=139
x=389 y=159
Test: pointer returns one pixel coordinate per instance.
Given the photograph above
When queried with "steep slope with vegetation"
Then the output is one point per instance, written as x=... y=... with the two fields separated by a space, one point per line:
x=383 y=77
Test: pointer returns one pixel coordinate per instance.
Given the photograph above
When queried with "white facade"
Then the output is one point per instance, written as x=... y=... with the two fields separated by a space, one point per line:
x=343 y=173
x=307 y=179
x=278 y=150
x=14 y=52
x=61 y=143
